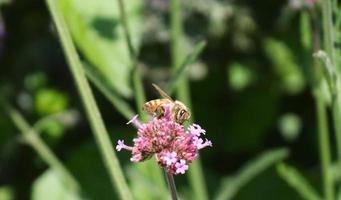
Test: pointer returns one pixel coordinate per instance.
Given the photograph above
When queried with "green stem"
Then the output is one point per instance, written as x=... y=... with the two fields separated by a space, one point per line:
x=140 y=96
x=124 y=19
x=97 y=125
x=321 y=112
x=324 y=145
x=297 y=181
x=120 y=104
x=171 y=185
x=329 y=40
x=173 y=82
x=32 y=137
x=137 y=79
x=328 y=29
x=336 y=111
x=196 y=178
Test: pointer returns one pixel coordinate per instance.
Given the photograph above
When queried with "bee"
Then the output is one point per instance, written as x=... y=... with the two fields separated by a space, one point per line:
x=180 y=113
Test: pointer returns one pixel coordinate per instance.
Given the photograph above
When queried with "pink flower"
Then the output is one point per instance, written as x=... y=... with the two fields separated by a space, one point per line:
x=170 y=158
x=195 y=129
x=181 y=167
x=120 y=145
x=135 y=121
x=173 y=146
x=200 y=144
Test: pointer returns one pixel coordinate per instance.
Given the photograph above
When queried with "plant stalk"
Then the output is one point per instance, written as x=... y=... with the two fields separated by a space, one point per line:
x=324 y=145
x=171 y=185
x=329 y=40
x=328 y=29
x=96 y=122
x=137 y=79
x=195 y=174
x=140 y=96
x=32 y=137
x=322 y=119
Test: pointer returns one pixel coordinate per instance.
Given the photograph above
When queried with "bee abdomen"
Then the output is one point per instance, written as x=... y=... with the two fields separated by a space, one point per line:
x=151 y=106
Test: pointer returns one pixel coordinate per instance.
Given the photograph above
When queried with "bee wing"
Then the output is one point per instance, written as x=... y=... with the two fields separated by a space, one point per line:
x=161 y=92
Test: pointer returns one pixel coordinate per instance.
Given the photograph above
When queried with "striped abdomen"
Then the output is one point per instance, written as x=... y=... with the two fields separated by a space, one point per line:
x=154 y=106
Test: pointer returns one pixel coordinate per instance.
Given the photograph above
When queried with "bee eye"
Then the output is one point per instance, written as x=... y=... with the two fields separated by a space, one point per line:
x=182 y=112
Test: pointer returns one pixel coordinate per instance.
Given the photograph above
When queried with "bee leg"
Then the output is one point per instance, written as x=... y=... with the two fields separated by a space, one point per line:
x=159 y=112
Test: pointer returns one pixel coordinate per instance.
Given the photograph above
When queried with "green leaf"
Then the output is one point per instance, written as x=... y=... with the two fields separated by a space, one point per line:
x=6 y=193
x=35 y=81
x=85 y=163
x=50 y=101
x=32 y=138
x=97 y=30
x=239 y=76
x=3 y=2
x=297 y=182
x=49 y=186
x=285 y=66
x=231 y=185
x=290 y=126
x=335 y=172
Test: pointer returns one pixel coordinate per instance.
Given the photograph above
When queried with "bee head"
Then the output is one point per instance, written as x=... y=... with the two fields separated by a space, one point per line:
x=182 y=113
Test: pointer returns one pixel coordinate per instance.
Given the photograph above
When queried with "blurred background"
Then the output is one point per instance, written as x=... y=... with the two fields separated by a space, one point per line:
x=249 y=89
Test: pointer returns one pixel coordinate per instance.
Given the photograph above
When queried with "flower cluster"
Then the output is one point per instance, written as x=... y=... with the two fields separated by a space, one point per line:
x=173 y=146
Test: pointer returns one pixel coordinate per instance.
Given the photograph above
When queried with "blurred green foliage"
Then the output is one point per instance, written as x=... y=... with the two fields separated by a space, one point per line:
x=285 y=65
x=239 y=76
x=49 y=101
x=6 y=193
x=290 y=126
x=97 y=30
x=49 y=186
x=248 y=88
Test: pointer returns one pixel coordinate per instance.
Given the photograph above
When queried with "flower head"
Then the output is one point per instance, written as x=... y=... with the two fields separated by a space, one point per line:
x=173 y=146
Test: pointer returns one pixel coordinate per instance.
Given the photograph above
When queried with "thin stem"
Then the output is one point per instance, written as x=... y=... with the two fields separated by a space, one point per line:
x=322 y=121
x=127 y=36
x=140 y=96
x=195 y=175
x=171 y=185
x=182 y=89
x=329 y=40
x=121 y=106
x=336 y=111
x=180 y=71
x=137 y=79
x=324 y=145
x=139 y=93
x=96 y=122
x=32 y=137
x=329 y=44
x=328 y=29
